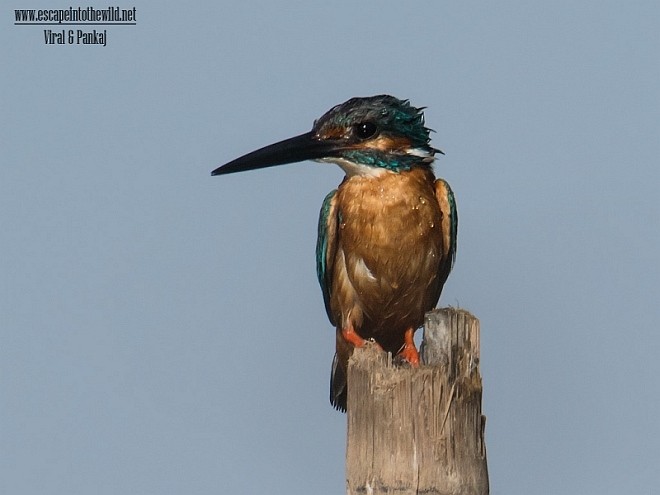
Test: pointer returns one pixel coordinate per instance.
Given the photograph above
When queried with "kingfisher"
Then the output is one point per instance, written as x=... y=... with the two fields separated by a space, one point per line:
x=386 y=235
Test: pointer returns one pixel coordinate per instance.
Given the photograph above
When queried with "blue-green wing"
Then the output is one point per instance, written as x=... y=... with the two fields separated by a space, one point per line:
x=326 y=245
x=447 y=202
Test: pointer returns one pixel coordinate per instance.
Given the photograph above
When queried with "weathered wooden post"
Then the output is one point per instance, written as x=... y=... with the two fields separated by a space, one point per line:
x=419 y=431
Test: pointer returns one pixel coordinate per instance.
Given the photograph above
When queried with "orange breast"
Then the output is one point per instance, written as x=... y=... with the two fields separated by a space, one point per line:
x=389 y=247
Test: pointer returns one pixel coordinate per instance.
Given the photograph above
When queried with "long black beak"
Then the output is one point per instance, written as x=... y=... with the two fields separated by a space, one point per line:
x=295 y=149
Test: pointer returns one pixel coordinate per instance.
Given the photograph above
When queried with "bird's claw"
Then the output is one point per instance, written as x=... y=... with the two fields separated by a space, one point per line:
x=372 y=342
x=409 y=352
x=410 y=355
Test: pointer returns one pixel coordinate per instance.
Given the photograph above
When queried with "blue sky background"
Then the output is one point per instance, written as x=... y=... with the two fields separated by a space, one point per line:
x=162 y=331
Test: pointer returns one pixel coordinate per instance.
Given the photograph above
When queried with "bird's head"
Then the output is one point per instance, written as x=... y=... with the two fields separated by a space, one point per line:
x=364 y=136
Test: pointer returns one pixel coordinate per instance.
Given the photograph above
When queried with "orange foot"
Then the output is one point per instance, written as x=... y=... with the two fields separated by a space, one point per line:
x=350 y=335
x=409 y=351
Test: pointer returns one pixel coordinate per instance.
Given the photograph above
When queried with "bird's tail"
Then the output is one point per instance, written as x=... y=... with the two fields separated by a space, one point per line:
x=338 y=385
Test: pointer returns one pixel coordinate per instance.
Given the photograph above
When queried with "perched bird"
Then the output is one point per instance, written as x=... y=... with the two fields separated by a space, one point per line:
x=386 y=235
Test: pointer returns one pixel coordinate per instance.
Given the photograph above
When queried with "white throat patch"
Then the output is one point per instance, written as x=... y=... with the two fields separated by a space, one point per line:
x=352 y=168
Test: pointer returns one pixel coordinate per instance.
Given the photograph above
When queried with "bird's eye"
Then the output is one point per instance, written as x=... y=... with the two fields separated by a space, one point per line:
x=365 y=130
